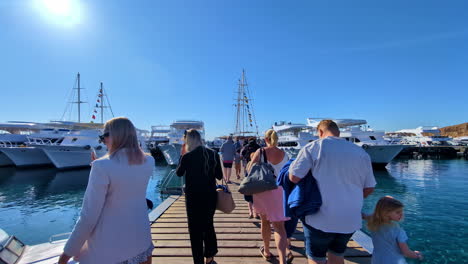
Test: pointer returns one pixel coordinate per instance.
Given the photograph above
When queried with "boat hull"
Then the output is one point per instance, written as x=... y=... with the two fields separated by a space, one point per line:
x=27 y=156
x=68 y=157
x=381 y=155
x=171 y=153
x=5 y=161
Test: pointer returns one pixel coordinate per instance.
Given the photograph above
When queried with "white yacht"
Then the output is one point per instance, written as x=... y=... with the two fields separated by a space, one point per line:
x=159 y=135
x=15 y=134
x=380 y=151
x=171 y=150
x=293 y=135
x=29 y=154
x=7 y=141
x=75 y=149
x=423 y=136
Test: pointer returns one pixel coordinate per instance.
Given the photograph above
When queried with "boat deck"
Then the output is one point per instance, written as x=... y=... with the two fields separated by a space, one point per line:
x=238 y=237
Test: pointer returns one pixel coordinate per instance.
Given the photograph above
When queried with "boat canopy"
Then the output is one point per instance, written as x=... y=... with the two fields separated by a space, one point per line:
x=313 y=122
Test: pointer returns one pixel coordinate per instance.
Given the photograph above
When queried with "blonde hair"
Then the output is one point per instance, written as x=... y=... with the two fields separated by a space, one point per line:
x=329 y=125
x=124 y=136
x=192 y=140
x=272 y=137
x=385 y=205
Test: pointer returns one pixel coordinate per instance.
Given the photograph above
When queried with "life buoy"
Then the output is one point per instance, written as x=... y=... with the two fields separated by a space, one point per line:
x=365 y=146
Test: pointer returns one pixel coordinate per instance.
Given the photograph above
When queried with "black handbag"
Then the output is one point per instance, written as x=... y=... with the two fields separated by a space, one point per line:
x=261 y=177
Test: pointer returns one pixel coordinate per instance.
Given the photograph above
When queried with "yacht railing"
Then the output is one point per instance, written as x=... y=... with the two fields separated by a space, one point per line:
x=9 y=144
x=42 y=141
x=172 y=184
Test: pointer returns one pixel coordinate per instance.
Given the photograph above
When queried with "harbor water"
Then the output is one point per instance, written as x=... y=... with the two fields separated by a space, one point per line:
x=38 y=203
x=434 y=193
x=35 y=204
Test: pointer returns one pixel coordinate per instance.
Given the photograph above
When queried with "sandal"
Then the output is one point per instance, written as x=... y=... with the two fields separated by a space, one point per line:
x=211 y=261
x=265 y=257
x=289 y=258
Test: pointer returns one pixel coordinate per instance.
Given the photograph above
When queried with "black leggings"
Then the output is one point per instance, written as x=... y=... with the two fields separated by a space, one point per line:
x=200 y=212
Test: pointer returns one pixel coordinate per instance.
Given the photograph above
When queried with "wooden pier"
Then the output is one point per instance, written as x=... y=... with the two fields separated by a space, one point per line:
x=238 y=237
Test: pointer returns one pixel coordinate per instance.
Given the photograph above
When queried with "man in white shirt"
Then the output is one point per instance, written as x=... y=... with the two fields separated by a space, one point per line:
x=344 y=176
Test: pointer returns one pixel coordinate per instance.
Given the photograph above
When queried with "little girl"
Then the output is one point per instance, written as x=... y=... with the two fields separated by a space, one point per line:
x=388 y=237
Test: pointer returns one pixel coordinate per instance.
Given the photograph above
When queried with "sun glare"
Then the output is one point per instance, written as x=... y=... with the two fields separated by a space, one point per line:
x=62 y=12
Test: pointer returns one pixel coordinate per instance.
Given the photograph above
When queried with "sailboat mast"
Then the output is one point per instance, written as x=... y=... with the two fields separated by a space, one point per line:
x=244 y=128
x=79 y=99
x=102 y=103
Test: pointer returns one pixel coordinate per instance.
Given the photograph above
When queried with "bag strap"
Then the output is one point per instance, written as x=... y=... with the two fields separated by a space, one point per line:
x=263 y=153
x=223 y=182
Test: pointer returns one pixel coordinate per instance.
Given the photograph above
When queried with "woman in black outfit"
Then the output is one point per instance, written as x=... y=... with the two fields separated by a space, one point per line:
x=201 y=166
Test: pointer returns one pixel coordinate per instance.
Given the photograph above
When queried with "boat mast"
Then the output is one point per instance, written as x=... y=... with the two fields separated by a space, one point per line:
x=242 y=85
x=102 y=104
x=245 y=117
x=79 y=102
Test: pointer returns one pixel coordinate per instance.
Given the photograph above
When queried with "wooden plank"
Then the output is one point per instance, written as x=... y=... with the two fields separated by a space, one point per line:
x=216 y=225
x=243 y=252
x=233 y=244
x=221 y=230
x=219 y=220
x=239 y=237
x=247 y=260
x=158 y=211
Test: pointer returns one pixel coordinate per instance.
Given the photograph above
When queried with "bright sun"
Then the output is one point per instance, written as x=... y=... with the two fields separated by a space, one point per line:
x=62 y=12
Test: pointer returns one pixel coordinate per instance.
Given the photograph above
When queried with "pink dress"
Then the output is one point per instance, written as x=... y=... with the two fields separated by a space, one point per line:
x=270 y=203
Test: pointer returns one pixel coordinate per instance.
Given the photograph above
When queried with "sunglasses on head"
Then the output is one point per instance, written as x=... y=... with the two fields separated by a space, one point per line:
x=103 y=136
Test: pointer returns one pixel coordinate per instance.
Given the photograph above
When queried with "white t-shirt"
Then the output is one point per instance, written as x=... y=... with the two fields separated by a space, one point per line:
x=342 y=171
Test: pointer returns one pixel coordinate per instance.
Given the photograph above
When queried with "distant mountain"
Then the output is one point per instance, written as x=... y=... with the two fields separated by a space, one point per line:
x=455 y=131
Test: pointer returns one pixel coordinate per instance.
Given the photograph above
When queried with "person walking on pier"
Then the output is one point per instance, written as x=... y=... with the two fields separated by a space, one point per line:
x=201 y=167
x=113 y=225
x=269 y=204
x=344 y=176
x=228 y=152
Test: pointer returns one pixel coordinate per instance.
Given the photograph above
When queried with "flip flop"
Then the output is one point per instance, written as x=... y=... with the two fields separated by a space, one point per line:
x=265 y=257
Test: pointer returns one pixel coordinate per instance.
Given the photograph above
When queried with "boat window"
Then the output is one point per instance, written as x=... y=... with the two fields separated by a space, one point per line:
x=356 y=140
x=74 y=139
x=347 y=139
x=372 y=137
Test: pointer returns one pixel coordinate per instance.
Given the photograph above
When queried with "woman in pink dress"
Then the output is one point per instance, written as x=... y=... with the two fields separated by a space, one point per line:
x=269 y=204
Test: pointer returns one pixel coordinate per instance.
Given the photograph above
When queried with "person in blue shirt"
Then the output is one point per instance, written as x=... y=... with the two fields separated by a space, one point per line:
x=388 y=237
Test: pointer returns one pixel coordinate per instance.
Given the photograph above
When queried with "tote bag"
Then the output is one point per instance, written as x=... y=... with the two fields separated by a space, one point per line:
x=261 y=177
x=225 y=201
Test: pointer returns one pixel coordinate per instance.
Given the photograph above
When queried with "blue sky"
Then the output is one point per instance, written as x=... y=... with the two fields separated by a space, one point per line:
x=398 y=64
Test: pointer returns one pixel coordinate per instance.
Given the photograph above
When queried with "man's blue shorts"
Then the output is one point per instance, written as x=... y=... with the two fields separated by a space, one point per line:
x=318 y=243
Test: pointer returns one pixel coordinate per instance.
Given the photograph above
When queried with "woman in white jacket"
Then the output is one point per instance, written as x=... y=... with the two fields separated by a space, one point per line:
x=113 y=226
